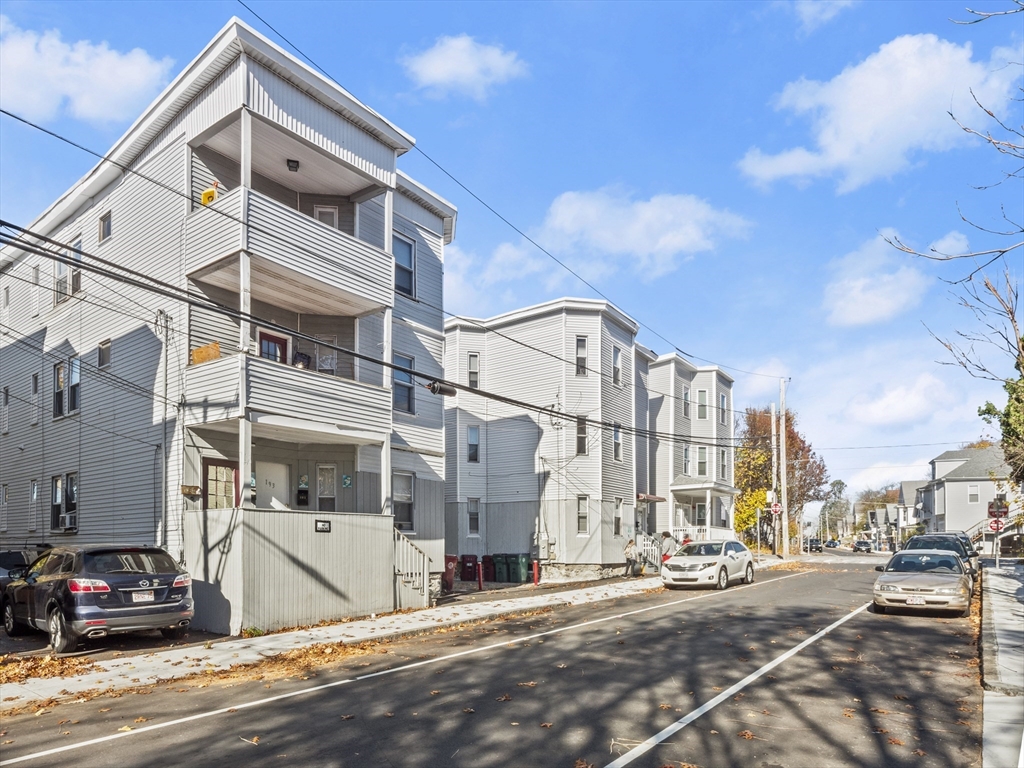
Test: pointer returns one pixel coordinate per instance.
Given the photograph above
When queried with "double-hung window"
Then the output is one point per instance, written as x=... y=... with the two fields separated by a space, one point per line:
x=616 y=442
x=581 y=435
x=5 y=409
x=473 y=370
x=617 y=518
x=973 y=494
x=34 y=399
x=581 y=355
x=405 y=265
x=473 y=444
x=326 y=214
x=473 y=512
x=616 y=366
x=3 y=507
x=36 y=290
x=61 y=286
x=686 y=460
x=403 y=396
x=64 y=502
x=76 y=271
x=722 y=408
x=686 y=402
x=582 y=514
x=33 y=505
x=402 y=494
x=722 y=466
x=59 y=385
x=702 y=462
x=106 y=226
x=103 y=354
x=74 y=384
x=702 y=403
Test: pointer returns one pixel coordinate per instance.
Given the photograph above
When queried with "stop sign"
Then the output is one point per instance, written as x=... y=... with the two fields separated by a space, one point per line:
x=997 y=525
x=776 y=508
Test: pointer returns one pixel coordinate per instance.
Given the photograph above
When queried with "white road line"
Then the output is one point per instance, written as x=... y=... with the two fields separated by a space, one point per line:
x=678 y=725
x=393 y=670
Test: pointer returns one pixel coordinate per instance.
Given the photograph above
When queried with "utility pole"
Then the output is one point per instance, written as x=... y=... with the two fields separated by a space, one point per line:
x=775 y=477
x=783 y=467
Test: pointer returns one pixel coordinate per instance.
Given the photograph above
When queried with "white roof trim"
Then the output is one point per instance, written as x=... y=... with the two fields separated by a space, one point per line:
x=432 y=201
x=548 y=307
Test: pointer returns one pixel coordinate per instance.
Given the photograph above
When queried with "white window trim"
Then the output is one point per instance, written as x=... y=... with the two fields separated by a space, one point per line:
x=412 y=495
x=63 y=391
x=411 y=386
x=33 y=382
x=33 y=504
x=582 y=420
x=37 y=289
x=396 y=235
x=722 y=464
x=703 y=405
x=4 y=495
x=68 y=410
x=469 y=530
x=318 y=209
x=702 y=450
x=5 y=409
x=580 y=498
x=99 y=347
x=109 y=215
x=617 y=442
x=75 y=273
x=469 y=432
x=586 y=355
x=617 y=517
x=723 y=405
x=686 y=402
x=326 y=465
x=472 y=357
x=976 y=493
x=686 y=460
x=616 y=367
x=60 y=295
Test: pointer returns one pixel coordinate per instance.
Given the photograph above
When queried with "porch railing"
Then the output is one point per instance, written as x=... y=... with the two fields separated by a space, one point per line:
x=703 y=533
x=412 y=578
x=649 y=548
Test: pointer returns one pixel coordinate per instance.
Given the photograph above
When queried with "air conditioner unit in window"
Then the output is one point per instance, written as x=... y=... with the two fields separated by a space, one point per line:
x=68 y=521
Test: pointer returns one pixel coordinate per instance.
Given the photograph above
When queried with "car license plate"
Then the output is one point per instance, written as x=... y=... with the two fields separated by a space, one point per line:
x=147 y=596
x=915 y=601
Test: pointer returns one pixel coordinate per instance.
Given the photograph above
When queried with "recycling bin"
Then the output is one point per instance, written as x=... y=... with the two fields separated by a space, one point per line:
x=469 y=567
x=451 y=562
x=520 y=566
x=488 y=562
x=501 y=568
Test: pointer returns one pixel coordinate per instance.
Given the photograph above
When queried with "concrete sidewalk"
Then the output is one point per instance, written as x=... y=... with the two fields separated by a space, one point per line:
x=1002 y=664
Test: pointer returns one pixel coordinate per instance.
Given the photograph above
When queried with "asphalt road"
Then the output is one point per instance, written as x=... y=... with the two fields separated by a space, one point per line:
x=744 y=677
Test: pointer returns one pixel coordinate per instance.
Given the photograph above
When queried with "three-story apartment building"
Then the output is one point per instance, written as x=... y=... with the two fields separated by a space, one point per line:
x=603 y=462
x=223 y=417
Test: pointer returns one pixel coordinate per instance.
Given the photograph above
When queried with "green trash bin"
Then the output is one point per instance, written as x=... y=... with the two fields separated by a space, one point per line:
x=501 y=568
x=521 y=567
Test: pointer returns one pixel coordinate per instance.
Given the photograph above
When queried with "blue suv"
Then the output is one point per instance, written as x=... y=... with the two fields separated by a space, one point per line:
x=76 y=592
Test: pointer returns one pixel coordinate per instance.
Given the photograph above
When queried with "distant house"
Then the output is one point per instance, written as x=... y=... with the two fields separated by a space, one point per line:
x=962 y=485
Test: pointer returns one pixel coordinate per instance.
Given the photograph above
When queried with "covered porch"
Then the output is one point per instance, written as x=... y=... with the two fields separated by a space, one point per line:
x=702 y=511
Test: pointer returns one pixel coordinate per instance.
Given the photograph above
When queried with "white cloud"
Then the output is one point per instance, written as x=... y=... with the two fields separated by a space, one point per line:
x=870 y=121
x=900 y=401
x=951 y=244
x=462 y=65
x=766 y=386
x=815 y=13
x=43 y=76
x=870 y=285
x=881 y=474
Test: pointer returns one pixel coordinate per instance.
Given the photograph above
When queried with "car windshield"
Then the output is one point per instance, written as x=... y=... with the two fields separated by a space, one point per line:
x=130 y=561
x=953 y=545
x=10 y=560
x=923 y=564
x=699 y=550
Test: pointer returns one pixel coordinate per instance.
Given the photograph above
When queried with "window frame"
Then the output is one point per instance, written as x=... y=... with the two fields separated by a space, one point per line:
x=722 y=465
x=332 y=340
x=686 y=402
x=318 y=209
x=581 y=423
x=702 y=461
x=75 y=283
x=100 y=361
x=4 y=498
x=473 y=370
x=686 y=460
x=473 y=448
x=616 y=366
x=58 y=391
x=617 y=517
x=33 y=504
x=616 y=442
x=411 y=502
x=320 y=498
x=5 y=410
x=581 y=367
x=409 y=386
x=33 y=389
x=702 y=405
x=63 y=507
x=582 y=515
x=723 y=407
x=473 y=514
x=976 y=494
x=61 y=275
x=74 y=388
x=37 y=289
x=106 y=227
x=276 y=338
x=410 y=269
x=236 y=482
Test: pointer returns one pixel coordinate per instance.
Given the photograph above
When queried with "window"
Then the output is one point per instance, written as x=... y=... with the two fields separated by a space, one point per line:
x=106 y=225
x=473 y=510
x=326 y=487
x=583 y=514
x=405 y=265
x=103 y=354
x=61 y=289
x=59 y=371
x=33 y=505
x=721 y=464
x=581 y=355
x=76 y=271
x=402 y=484
x=402 y=391
x=34 y=399
x=64 y=502
x=973 y=495
x=686 y=402
x=3 y=507
x=686 y=460
x=326 y=214
x=326 y=356
x=473 y=368
x=617 y=518
x=616 y=442
x=5 y=408
x=273 y=347
x=7 y=297
x=581 y=435
x=36 y=290
x=221 y=489
x=722 y=409
x=702 y=462
x=702 y=403
x=74 y=384
x=473 y=444
x=616 y=366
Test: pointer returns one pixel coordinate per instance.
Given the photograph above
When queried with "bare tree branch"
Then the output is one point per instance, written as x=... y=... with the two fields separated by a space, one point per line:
x=983 y=15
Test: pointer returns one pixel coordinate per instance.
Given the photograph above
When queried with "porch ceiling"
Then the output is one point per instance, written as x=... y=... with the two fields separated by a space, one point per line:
x=689 y=487
x=275 y=284
x=299 y=431
x=318 y=173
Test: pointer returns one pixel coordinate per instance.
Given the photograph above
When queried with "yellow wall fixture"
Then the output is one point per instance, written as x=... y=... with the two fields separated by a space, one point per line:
x=209 y=195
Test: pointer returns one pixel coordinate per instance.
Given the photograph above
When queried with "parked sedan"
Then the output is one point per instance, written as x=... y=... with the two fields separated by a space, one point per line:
x=76 y=592
x=862 y=546
x=708 y=563
x=949 y=542
x=926 y=579
x=814 y=545
x=831 y=543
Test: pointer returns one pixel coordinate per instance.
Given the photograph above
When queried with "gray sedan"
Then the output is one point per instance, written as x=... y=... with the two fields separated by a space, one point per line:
x=925 y=579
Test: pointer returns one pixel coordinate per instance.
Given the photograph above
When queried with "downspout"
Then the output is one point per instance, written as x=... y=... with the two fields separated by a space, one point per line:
x=161 y=315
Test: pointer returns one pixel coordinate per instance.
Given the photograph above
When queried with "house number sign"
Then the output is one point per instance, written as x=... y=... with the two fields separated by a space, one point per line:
x=323 y=526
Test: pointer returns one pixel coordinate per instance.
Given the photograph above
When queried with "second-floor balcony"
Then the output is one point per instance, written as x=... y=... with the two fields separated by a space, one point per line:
x=285 y=402
x=296 y=261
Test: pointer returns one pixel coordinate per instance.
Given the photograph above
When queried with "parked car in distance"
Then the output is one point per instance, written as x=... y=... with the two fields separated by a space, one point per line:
x=76 y=592
x=13 y=559
x=924 y=579
x=814 y=545
x=862 y=546
x=708 y=563
x=831 y=543
x=948 y=542
x=972 y=552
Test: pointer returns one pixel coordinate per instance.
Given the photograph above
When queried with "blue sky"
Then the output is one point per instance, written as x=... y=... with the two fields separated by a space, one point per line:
x=721 y=171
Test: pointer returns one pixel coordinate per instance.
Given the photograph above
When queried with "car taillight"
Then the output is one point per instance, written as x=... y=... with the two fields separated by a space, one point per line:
x=87 y=585
x=183 y=580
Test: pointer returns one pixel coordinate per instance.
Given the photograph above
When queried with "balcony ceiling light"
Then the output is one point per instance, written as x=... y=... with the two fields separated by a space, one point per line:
x=293 y=166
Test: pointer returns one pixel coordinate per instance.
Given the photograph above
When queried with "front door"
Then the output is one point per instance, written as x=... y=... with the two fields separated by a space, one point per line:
x=272 y=485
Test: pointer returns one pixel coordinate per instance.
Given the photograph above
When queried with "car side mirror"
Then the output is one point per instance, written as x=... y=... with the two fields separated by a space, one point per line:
x=879 y=567
x=17 y=573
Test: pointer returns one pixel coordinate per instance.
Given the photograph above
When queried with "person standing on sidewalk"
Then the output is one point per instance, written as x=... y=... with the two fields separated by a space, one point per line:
x=630 y=552
x=668 y=546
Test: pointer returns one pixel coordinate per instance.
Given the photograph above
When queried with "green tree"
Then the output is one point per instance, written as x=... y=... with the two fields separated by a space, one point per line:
x=835 y=508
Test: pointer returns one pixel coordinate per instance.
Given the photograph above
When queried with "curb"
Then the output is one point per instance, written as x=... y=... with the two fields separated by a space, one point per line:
x=989 y=653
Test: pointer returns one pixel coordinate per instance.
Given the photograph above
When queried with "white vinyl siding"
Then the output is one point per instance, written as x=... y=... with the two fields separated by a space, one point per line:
x=5 y=410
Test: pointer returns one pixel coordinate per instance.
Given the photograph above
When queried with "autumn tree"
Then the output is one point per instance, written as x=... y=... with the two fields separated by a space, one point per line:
x=836 y=508
x=806 y=475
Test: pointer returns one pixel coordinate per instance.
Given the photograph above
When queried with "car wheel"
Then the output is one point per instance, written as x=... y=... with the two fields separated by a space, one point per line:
x=173 y=633
x=723 y=579
x=61 y=640
x=11 y=625
x=748 y=577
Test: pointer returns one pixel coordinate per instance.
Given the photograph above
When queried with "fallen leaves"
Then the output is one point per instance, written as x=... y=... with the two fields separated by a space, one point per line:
x=348 y=717
x=141 y=719
x=746 y=735
x=255 y=740
x=126 y=728
x=581 y=763
x=469 y=710
x=546 y=725
x=531 y=684
x=894 y=740
x=664 y=706
x=18 y=669
x=434 y=693
x=920 y=752
x=900 y=697
x=504 y=697
x=389 y=714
